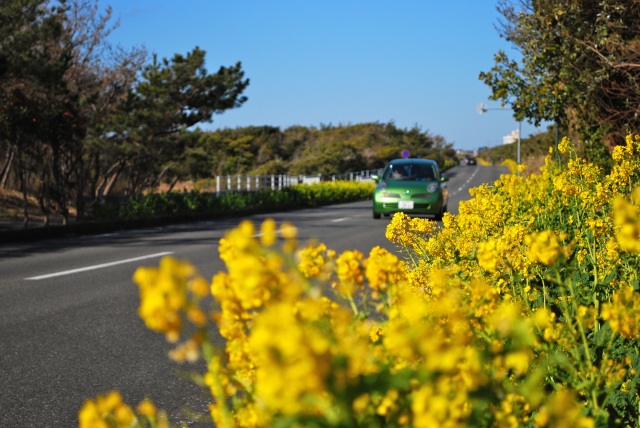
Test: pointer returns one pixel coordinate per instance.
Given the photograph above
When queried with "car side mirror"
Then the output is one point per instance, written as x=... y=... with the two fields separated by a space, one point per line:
x=375 y=177
x=444 y=178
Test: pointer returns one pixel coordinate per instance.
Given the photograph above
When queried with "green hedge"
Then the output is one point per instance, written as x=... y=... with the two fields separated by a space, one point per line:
x=180 y=204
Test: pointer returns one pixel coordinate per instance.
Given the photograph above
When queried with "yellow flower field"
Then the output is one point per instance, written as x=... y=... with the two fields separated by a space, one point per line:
x=522 y=310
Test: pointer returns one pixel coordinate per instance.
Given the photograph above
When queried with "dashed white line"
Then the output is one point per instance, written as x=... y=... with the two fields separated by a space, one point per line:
x=466 y=183
x=337 y=220
x=100 y=266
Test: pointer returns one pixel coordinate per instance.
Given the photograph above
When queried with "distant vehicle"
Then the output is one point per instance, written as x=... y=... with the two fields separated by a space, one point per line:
x=470 y=160
x=413 y=186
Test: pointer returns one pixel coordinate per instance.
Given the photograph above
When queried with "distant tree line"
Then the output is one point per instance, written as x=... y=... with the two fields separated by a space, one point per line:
x=81 y=119
x=297 y=150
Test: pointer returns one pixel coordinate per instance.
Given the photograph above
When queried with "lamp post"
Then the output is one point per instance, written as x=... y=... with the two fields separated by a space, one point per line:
x=482 y=109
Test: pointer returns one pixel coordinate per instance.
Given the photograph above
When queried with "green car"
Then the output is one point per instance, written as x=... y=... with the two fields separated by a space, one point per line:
x=412 y=186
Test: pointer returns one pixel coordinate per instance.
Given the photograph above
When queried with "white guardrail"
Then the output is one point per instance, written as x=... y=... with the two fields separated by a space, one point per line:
x=252 y=183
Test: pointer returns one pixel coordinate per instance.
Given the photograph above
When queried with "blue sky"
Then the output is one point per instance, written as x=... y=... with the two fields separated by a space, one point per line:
x=314 y=62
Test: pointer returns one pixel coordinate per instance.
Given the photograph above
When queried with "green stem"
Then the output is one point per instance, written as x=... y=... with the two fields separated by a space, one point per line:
x=353 y=305
x=221 y=400
x=587 y=350
x=592 y=252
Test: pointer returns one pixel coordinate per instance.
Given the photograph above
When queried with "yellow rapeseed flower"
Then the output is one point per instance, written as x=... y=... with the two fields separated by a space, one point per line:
x=315 y=261
x=565 y=146
x=106 y=411
x=626 y=220
x=147 y=408
x=623 y=313
x=511 y=164
x=384 y=269
x=291 y=364
x=163 y=294
x=268 y=232
x=350 y=271
x=544 y=247
x=518 y=361
x=186 y=351
x=562 y=411
x=488 y=256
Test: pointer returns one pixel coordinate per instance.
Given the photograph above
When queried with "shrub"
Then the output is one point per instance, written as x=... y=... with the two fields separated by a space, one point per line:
x=174 y=204
x=522 y=310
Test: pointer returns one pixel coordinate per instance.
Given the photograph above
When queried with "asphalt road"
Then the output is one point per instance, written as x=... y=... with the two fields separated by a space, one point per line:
x=68 y=323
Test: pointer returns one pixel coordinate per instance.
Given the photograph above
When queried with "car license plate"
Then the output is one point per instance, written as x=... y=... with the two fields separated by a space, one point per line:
x=405 y=205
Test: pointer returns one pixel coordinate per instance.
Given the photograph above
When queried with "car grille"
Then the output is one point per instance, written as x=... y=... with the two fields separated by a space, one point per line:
x=416 y=207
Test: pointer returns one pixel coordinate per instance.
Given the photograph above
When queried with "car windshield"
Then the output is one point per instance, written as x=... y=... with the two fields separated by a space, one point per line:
x=410 y=171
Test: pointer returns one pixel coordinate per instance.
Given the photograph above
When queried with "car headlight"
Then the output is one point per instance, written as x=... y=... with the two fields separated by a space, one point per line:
x=381 y=186
x=432 y=187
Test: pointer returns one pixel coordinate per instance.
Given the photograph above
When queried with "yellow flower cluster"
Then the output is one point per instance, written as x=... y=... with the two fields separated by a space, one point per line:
x=626 y=219
x=292 y=372
x=109 y=411
x=519 y=311
x=523 y=235
x=563 y=410
x=544 y=247
x=625 y=174
x=384 y=270
x=350 y=270
x=289 y=372
x=163 y=296
x=623 y=313
x=170 y=295
x=565 y=146
x=410 y=233
x=315 y=261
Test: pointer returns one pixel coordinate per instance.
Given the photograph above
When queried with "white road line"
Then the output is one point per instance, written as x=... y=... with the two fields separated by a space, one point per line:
x=466 y=183
x=337 y=220
x=259 y=234
x=100 y=266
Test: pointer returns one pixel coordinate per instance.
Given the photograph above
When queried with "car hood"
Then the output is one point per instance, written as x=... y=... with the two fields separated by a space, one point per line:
x=410 y=185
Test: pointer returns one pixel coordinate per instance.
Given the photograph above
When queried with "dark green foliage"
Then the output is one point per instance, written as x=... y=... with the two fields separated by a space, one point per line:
x=171 y=97
x=595 y=152
x=328 y=150
x=576 y=64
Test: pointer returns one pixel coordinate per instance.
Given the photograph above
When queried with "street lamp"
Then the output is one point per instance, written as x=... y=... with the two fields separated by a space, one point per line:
x=482 y=109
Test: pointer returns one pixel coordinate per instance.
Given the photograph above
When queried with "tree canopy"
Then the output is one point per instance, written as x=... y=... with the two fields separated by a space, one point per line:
x=576 y=63
x=298 y=150
x=170 y=97
x=76 y=113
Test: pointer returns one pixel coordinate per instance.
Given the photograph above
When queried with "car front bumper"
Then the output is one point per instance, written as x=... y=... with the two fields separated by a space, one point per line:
x=387 y=205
